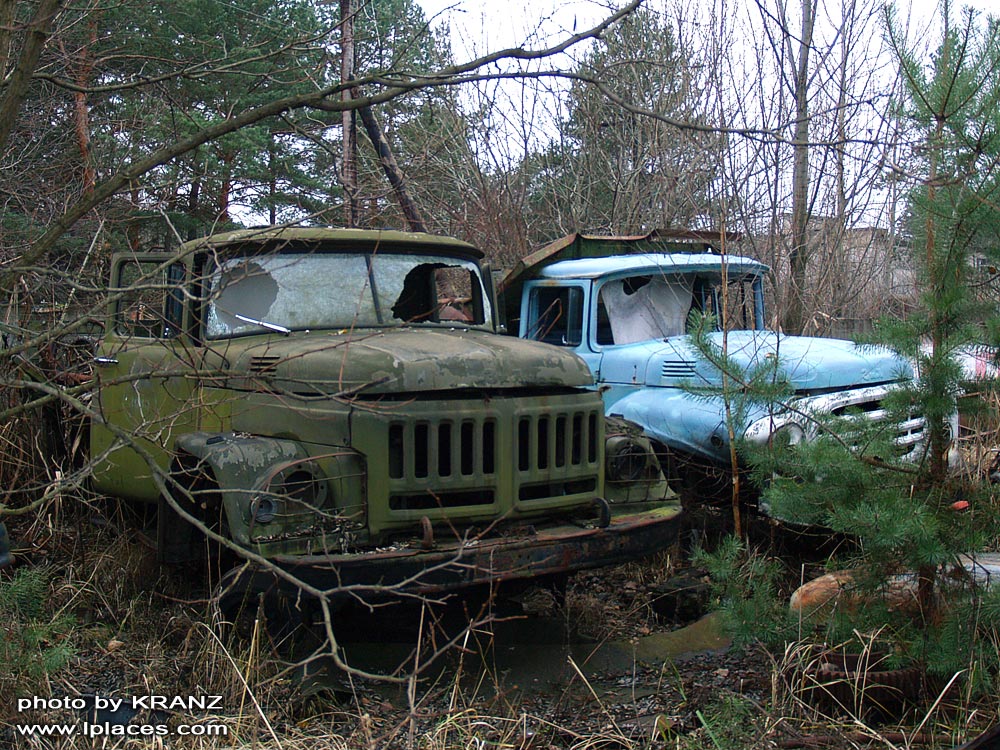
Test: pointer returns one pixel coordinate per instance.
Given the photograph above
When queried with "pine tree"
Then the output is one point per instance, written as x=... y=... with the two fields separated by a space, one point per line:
x=613 y=170
x=905 y=517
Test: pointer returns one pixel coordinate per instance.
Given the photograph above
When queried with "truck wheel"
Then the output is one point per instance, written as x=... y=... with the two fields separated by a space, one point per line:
x=247 y=596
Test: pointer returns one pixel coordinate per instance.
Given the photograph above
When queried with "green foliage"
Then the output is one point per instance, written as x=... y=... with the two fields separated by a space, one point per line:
x=746 y=585
x=729 y=723
x=968 y=640
x=33 y=645
x=850 y=478
x=235 y=57
x=952 y=104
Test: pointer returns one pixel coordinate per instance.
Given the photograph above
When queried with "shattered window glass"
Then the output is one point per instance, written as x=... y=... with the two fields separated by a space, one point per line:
x=289 y=292
x=643 y=308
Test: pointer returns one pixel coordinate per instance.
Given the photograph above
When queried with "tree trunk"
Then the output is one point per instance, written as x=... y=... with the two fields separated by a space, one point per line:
x=81 y=113
x=349 y=176
x=413 y=218
x=20 y=78
x=798 y=257
x=6 y=32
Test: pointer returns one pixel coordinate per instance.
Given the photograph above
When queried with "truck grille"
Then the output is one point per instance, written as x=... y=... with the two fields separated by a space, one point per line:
x=514 y=454
x=544 y=441
x=910 y=433
x=442 y=449
x=678 y=369
x=548 y=445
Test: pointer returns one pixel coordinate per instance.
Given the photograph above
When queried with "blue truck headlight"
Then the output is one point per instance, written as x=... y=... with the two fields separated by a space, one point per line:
x=787 y=435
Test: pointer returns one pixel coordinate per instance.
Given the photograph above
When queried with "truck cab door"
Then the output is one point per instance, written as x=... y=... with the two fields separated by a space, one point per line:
x=145 y=366
x=556 y=314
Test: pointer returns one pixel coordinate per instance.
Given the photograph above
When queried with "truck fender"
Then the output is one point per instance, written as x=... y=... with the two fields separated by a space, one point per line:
x=686 y=422
x=231 y=465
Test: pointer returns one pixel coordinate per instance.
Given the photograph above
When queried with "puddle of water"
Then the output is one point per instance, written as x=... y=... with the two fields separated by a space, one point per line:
x=528 y=655
x=701 y=636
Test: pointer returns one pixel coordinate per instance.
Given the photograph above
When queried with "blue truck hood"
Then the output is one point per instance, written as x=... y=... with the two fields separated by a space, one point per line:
x=809 y=364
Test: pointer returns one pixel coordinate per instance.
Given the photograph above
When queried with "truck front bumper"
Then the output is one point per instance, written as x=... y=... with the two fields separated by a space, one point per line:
x=455 y=565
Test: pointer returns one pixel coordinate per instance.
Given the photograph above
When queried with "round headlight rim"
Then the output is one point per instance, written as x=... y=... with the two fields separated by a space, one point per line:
x=265 y=509
x=626 y=459
x=788 y=428
x=277 y=484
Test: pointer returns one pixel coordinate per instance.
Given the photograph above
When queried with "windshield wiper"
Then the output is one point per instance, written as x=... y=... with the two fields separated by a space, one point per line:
x=263 y=324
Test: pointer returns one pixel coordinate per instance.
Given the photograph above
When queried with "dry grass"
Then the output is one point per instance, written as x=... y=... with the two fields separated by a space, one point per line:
x=132 y=641
x=812 y=707
x=135 y=634
x=143 y=630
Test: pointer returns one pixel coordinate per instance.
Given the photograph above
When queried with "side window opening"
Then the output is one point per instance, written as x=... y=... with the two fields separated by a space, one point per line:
x=557 y=315
x=742 y=305
x=175 y=300
x=152 y=299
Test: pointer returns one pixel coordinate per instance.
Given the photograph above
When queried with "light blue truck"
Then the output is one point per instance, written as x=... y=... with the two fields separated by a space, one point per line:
x=623 y=305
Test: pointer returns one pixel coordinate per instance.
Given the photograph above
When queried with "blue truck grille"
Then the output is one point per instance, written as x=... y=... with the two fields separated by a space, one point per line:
x=910 y=434
x=678 y=369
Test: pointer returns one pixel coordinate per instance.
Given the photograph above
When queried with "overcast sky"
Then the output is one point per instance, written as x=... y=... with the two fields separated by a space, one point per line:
x=523 y=118
x=485 y=25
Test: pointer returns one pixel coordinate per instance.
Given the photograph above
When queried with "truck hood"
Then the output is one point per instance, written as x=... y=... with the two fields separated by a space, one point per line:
x=809 y=364
x=405 y=360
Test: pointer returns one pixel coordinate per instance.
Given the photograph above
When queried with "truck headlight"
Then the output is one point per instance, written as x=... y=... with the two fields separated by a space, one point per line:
x=301 y=483
x=265 y=509
x=787 y=435
x=290 y=489
x=626 y=459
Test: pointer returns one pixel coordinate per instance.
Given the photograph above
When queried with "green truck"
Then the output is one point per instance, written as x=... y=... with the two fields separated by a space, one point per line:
x=340 y=404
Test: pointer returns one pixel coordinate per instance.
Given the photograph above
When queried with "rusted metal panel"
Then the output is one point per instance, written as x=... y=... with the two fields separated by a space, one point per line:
x=454 y=565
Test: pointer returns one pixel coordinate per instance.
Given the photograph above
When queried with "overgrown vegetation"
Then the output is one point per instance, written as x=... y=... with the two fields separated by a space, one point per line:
x=35 y=643
x=750 y=590
x=917 y=522
x=907 y=522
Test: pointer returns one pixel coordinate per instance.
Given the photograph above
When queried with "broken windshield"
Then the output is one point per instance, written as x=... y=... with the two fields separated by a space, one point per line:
x=297 y=292
x=646 y=307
